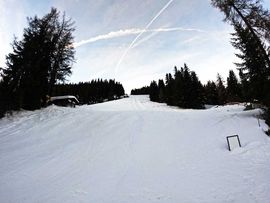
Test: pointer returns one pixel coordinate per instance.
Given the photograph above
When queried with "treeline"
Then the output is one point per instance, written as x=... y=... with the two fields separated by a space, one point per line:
x=43 y=57
x=184 y=89
x=91 y=92
x=140 y=91
x=251 y=22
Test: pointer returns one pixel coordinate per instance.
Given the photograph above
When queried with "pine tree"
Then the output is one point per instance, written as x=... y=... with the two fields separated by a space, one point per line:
x=196 y=92
x=61 y=46
x=161 y=91
x=254 y=72
x=233 y=88
x=178 y=89
x=43 y=56
x=153 y=90
x=245 y=87
x=222 y=97
x=211 y=93
x=252 y=37
x=169 y=89
x=250 y=15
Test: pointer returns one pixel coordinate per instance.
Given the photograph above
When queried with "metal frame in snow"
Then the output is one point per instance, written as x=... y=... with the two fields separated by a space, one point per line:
x=228 y=142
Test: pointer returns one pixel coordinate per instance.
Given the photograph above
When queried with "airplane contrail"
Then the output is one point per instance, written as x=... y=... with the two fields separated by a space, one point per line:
x=148 y=37
x=136 y=38
x=132 y=31
x=156 y=31
x=110 y=35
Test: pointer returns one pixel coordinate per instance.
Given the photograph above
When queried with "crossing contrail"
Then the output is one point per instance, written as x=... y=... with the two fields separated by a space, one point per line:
x=136 y=38
x=132 y=31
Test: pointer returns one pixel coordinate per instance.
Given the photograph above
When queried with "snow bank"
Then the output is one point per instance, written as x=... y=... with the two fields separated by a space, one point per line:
x=133 y=150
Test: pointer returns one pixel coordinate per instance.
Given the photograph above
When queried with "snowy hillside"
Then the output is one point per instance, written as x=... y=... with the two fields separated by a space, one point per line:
x=133 y=150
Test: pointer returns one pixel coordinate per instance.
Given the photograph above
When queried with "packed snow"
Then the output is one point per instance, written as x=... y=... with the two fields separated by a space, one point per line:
x=133 y=150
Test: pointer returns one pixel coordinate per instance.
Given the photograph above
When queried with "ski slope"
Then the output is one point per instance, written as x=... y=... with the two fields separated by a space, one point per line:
x=133 y=150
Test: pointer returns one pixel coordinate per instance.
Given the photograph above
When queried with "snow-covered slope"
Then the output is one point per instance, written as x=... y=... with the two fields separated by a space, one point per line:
x=133 y=150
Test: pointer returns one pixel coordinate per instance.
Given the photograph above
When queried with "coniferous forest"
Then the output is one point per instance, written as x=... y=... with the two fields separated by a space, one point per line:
x=140 y=91
x=251 y=37
x=91 y=92
x=196 y=127
x=40 y=63
x=42 y=60
x=43 y=57
x=184 y=89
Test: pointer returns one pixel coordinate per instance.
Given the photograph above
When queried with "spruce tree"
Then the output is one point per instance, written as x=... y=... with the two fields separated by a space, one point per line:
x=254 y=72
x=169 y=89
x=211 y=93
x=196 y=92
x=161 y=91
x=153 y=91
x=233 y=88
x=178 y=94
x=250 y=15
x=252 y=37
x=43 y=56
x=222 y=97
x=245 y=87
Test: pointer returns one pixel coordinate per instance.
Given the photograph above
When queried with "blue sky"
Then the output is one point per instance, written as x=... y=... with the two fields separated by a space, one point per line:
x=186 y=31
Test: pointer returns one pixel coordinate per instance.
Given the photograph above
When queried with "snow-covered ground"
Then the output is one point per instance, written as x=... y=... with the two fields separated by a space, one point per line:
x=133 y=150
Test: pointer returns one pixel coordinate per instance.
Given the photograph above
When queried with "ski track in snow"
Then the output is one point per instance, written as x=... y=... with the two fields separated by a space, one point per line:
x=133 y=150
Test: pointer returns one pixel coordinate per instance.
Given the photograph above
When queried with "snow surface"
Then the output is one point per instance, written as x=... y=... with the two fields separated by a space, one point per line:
x=133 y=150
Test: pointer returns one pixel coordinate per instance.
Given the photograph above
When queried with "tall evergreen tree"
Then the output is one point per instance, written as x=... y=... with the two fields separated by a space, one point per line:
x=250 y=15
x=169 y=89
x=196 y=92
x=245 y=86
x=254 y=72
x=161 y=90
x=222 y=97
x=179 y=97
x=186 y=88
x=43 y=56
x=153 y=90
x=252 y=37
x=233 y=88
x=61 y=46
x=211 y=93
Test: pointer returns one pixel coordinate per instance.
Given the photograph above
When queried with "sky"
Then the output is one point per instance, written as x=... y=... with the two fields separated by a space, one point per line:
x=133 y=41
